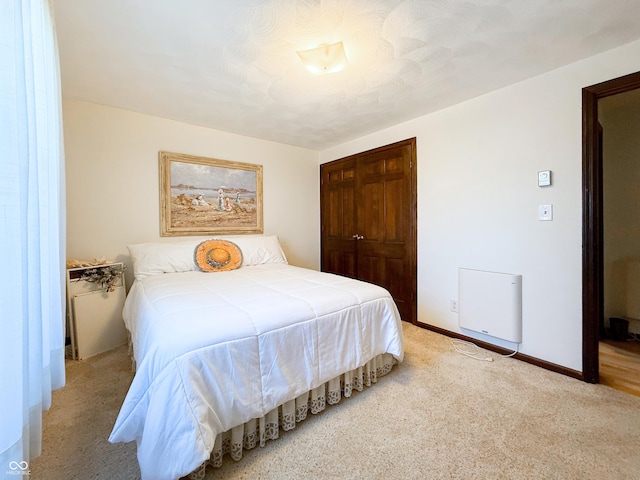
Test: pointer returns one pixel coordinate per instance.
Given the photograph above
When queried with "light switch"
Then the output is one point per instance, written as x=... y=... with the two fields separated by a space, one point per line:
x=545 y=212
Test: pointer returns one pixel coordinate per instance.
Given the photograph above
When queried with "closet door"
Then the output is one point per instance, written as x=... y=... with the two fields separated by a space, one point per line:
x=338 y=216
x=368 y=206
x=383 y=224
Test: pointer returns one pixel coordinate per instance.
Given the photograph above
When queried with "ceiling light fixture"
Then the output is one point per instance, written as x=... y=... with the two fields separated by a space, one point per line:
x=324 y=59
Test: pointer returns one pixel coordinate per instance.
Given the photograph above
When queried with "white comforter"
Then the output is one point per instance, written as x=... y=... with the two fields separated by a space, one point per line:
x=214 y=350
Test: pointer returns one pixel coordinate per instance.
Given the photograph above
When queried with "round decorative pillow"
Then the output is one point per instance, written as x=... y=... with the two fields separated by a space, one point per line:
x=218 y=256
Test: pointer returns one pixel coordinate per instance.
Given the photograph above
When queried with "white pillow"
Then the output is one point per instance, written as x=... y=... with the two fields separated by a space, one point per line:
x=171 y=257
x=258 y=249
x=165 y=257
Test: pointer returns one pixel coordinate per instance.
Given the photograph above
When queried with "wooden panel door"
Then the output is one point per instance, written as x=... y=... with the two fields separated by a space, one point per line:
x=337 y=210
x=368 y=220
x=383 y=223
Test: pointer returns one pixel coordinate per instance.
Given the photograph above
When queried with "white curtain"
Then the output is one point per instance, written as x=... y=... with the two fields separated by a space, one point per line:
x=32 y=229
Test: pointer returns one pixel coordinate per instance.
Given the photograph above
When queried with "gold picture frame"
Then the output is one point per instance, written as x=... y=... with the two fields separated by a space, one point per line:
x=207 y=196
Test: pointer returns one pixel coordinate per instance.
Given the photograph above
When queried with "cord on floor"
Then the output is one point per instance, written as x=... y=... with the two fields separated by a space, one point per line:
x=459 y=346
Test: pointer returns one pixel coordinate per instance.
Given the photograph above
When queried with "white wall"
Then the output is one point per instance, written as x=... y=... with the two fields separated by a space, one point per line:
x=112 y=181
x=478 y=199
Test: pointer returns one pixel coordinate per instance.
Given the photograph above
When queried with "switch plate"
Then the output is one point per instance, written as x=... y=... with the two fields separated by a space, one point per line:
x=453 y=305
x=545 y=212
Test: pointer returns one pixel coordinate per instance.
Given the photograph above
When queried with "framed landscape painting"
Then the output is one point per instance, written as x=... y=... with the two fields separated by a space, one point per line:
x=203 y=196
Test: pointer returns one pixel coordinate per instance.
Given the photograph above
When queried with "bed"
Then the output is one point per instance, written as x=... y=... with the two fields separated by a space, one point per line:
x=225 y=360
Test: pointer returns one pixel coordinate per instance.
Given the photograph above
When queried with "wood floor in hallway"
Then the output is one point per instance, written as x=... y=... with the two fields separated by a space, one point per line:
x=620 y=365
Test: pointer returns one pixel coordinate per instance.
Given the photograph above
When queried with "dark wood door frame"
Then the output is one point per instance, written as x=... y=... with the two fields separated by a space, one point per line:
x=592 y=221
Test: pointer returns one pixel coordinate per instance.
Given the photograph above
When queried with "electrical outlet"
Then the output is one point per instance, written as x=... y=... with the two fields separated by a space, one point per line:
x=453 y=305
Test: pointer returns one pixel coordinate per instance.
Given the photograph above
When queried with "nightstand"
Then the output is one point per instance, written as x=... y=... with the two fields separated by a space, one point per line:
x=94 y=316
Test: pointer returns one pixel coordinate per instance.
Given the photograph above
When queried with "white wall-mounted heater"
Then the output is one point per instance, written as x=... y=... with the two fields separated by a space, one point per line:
x=490 y=303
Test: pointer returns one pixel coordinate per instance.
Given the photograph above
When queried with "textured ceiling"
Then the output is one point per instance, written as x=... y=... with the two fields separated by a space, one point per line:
x=232 y=65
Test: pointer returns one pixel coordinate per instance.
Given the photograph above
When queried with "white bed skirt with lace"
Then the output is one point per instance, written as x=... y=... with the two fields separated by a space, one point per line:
x=258 y=430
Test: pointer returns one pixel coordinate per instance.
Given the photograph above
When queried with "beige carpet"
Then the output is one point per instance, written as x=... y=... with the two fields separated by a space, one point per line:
x=438 y=415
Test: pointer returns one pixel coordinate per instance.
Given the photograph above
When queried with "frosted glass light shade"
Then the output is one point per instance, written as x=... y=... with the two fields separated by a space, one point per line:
x=324 y=59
